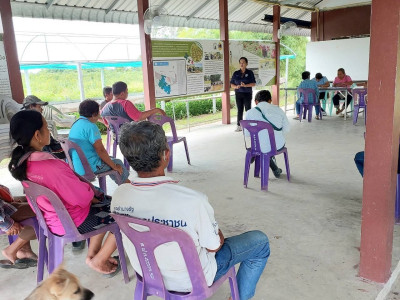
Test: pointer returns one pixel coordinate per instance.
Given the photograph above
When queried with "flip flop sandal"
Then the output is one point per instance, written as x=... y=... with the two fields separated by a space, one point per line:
x=6 y=264
x=30 y=262
x=111 y=275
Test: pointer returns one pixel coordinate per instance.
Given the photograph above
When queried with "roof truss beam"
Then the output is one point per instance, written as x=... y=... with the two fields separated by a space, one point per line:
x=235 y=8
x=50 y=3
x=199 y=8
x=112 y=6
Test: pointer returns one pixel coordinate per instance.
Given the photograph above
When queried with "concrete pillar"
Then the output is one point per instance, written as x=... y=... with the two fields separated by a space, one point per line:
x=381 y=142
x=10 y=48
x=147 y=61
x=224 y=36
x=103 y=84
x=276 y=26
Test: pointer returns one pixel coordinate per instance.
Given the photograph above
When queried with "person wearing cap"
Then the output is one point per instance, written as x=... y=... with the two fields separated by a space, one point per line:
x=32 y=102
x=322 y=82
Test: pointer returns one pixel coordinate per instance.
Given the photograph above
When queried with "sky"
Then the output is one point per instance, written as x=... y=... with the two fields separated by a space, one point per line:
x=48 y=40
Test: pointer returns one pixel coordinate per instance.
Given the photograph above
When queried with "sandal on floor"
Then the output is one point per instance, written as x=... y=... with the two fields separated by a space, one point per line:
x=6 y=264
x=296 y=118
x=111 y=275
x=30 y=262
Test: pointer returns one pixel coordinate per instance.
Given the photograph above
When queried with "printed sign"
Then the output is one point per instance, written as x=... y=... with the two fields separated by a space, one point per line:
x=5 y=88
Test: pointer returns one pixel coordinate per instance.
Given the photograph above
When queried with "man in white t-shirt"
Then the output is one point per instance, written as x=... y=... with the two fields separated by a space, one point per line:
x=277 y=118
x=157 y=198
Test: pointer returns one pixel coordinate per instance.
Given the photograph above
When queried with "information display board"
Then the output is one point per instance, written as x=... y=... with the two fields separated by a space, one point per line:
x=5 y=88
x=193 y=67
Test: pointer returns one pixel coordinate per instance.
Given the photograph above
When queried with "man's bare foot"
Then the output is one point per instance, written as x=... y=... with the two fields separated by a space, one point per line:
x=113 y=261
x=104 y=268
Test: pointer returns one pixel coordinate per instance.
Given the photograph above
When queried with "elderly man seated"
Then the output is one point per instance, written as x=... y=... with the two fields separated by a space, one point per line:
x=306 y=84
x=153 y=196
x=274 y=115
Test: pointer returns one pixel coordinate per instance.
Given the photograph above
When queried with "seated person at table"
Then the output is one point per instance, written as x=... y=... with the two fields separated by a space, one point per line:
x=322 y=82
x=12 y=211
x=274 y=115
x=34 y=103
x=359 y=161
x=108 y=96
x=306 y=84
x=122 y=107
x=87 y=135
x=152 y=196
x=87 y=206
x=342 y=80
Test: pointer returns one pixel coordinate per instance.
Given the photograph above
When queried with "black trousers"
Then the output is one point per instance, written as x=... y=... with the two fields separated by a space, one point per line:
x=243 y=100
x=336 y=99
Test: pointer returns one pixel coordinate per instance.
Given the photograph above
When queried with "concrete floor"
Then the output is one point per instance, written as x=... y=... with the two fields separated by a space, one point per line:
x=313 y=222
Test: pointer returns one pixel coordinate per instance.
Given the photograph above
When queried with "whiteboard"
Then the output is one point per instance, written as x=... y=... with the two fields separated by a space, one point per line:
x=328 y=56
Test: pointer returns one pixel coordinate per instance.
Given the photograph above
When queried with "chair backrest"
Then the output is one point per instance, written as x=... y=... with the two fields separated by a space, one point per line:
x=34 y=191
x=69 y=146
x=253 y=128
x=146 y=237
x=115 y=123
x=359 y=96
x=161 y=120
x=306 y=96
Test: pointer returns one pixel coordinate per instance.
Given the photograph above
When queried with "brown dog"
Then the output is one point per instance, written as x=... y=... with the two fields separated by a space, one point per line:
x=61 y=285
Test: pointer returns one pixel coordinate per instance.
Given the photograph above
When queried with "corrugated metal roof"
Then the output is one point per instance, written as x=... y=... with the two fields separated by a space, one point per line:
x=244 y=15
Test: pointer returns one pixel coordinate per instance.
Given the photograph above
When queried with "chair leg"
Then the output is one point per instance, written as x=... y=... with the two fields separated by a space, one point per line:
x=171 y=158
x=140 y=293
x=286 y=155
x=264 y=172
x=103 y=184
x=355 y=114
x=233 y=285
x=120 y=247
x=43 y=256
x=186 y=150
x=246 y=168
x=301 y=112
x=365 y=115
x=310 y=108
x=126 y=164
x=108 y=140
x=56 y=253
x=115 y=149
x=397 y=207
x=257 y=166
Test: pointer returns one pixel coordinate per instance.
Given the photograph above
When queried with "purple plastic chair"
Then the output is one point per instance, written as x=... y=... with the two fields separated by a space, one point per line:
x=359 y=102
x=69 y=145
x=261 y=159
x=152 y=283
x=161 y=120
x=114 y=125
x=308 y=103
x=56 y=243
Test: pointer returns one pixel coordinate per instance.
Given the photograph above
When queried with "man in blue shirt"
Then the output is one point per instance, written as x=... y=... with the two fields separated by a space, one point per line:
x=322 y=82
x=306 y=84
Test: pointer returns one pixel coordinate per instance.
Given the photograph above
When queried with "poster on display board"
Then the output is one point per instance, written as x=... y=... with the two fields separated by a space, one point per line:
x=5 y=88
x=190 y=67
x=187 y=67
x=261 y=56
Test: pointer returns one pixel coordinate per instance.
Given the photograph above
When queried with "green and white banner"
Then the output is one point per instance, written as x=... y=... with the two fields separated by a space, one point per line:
x=189 y=67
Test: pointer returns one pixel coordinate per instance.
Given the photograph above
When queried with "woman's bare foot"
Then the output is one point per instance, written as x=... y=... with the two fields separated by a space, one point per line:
x=26 y=252
x=113 y=261
x=102 y=267
x=11 y=256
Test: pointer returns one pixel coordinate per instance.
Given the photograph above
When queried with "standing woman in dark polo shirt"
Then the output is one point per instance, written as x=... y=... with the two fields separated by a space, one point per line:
x=242 y=81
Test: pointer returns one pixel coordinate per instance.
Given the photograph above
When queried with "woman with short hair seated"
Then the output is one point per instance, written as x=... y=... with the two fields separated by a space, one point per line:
x=87 y=135
x=87 y=207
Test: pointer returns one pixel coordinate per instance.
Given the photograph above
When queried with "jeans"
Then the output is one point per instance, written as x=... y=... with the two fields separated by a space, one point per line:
x=317 y=108
x=359 y=160
x=117 y=179
x=251 y=250
x=243 y=100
